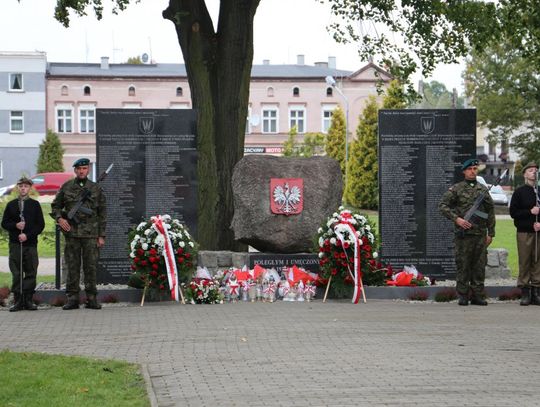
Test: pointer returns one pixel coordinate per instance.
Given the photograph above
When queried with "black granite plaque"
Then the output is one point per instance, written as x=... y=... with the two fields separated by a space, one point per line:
x=308 y=261
x=420 y=152
x=154 y=152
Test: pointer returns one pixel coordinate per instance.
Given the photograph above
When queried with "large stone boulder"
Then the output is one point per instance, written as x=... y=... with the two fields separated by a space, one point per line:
x=254 y=223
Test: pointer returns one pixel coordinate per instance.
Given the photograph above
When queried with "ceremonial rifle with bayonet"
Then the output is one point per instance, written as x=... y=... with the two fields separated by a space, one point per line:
x=474 y=210
x=85 y=196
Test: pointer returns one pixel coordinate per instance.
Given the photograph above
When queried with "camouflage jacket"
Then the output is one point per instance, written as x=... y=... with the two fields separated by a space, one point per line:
x=90 y=225
x=460 y=198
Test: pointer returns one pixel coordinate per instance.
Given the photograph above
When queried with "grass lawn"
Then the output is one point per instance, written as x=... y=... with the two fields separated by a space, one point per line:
x=40 y=380
x=505 y=238
x=5 y=279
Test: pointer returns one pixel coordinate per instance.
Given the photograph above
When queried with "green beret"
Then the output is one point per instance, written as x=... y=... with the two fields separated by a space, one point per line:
x=81 y=161
x=532 y=164
x=25 y=180
x=469 y=163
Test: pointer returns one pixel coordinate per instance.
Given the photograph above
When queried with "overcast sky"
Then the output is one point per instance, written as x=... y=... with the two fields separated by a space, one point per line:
x=283 y=29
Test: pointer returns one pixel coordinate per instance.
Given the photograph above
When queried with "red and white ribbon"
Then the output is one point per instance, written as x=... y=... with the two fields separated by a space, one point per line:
x=172 y=273
x=346 y=224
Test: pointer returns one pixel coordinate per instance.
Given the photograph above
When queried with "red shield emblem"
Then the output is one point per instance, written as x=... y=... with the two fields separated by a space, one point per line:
x=286 y=196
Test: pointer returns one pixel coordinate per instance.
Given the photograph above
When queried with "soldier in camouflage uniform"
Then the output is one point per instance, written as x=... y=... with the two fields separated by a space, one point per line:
x=471 y=237
x=83 y=238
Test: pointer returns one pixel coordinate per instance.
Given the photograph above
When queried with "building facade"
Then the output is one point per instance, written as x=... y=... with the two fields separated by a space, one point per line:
x=281 y=96
x=22 y=113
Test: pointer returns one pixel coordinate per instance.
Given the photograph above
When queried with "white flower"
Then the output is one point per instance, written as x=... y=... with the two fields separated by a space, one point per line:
x=321 y=241
x=191 y=244
x=145 y=246
x=132 y=255
x=321 y=255
x=182 y=244
x=319 y=231
x=333 y=240
x=141 y=226
x=335 y=215
x=368 y=227
x=375 y=255
x=147 y=232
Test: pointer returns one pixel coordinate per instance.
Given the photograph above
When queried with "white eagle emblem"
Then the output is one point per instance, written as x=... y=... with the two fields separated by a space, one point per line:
x=287 y=198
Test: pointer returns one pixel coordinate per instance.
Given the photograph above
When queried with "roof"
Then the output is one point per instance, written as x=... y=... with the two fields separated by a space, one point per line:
x=179 y=70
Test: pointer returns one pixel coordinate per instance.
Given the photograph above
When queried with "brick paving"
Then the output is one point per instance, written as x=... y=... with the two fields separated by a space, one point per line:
x=383 y=353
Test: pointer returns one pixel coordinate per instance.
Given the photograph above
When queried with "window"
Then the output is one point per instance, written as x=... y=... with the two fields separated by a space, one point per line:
x=64 y=120
x=87 y=90
x=16 y=122
x=179 y=106
x=179 y=91
x=329 y=91
x=16 y=82
x=297 y=118
x=270 y=92
x=270 y=120
x=248 y=121
x=131 y=91
x=87 y=119
x=327 y=111
x=296 y=92
x=64 y=91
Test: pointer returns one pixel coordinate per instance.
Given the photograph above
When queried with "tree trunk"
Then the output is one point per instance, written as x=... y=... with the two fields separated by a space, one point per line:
x=218 y=65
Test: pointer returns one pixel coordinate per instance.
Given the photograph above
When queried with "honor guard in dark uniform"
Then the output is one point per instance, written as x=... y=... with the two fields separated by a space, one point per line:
x=472 y=234
x=79 y=208
x=23 y=219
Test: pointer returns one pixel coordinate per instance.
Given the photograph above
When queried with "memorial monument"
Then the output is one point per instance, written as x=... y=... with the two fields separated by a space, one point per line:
x=420 y=152
x=154 y=152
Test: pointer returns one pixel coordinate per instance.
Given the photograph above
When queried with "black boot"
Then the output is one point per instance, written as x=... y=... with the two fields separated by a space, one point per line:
x=477 y=300
x=18 y=304
x=525 y=296
x=463 y=300
x=72 y=303
x=91 y=302
x=535 y=295
x=29 y=303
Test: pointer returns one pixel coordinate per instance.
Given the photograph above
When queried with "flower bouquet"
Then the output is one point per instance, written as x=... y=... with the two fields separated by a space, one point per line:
x=336 y=247
x=203 y=291
x=162 y=254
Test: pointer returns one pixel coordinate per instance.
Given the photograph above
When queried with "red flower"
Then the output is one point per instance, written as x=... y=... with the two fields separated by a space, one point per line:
x=161 y=287
x=338 y=243
x=153 y=273
x=155 y=266
x=343 y=255
x=199 y=293
x=187 y=256
x=152 y=252
x=346 y=245
x=153 y=259
x=140 y=252
x=133 y=267
x=188 y=264
x=136 y=260
x=144 y=263
x=179 y=250
x=334 y=271
x=180 y=260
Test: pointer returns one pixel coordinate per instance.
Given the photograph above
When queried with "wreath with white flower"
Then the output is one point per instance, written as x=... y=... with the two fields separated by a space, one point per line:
x=147 y=253
x=336 y=256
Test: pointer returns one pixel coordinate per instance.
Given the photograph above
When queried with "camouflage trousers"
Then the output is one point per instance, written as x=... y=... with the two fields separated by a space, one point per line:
x=30 y=263
x=77 y=250
x=471 y=258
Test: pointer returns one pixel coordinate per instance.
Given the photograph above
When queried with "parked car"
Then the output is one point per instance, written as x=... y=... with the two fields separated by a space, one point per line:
x=48 y=183
x=496 y=192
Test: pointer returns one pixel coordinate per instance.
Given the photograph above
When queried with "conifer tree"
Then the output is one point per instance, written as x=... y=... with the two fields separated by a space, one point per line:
x=290 y=148
x=335 y=139
x=362 y=189
x=50 y=154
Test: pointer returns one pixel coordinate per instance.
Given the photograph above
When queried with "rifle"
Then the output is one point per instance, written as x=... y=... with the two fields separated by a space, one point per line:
x=85 y=196
x=474 y=211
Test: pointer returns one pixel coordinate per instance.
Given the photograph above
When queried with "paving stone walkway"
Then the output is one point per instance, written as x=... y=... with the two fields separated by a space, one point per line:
x=383 y=353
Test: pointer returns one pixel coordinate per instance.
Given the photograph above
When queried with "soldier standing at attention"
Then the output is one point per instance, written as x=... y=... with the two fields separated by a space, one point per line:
x=84 y=235
x=23 y=219
x=471 y=237
x=524 y=210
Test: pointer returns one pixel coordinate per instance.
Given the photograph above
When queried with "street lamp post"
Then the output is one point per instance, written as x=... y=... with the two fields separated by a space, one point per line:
x=330 y=81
